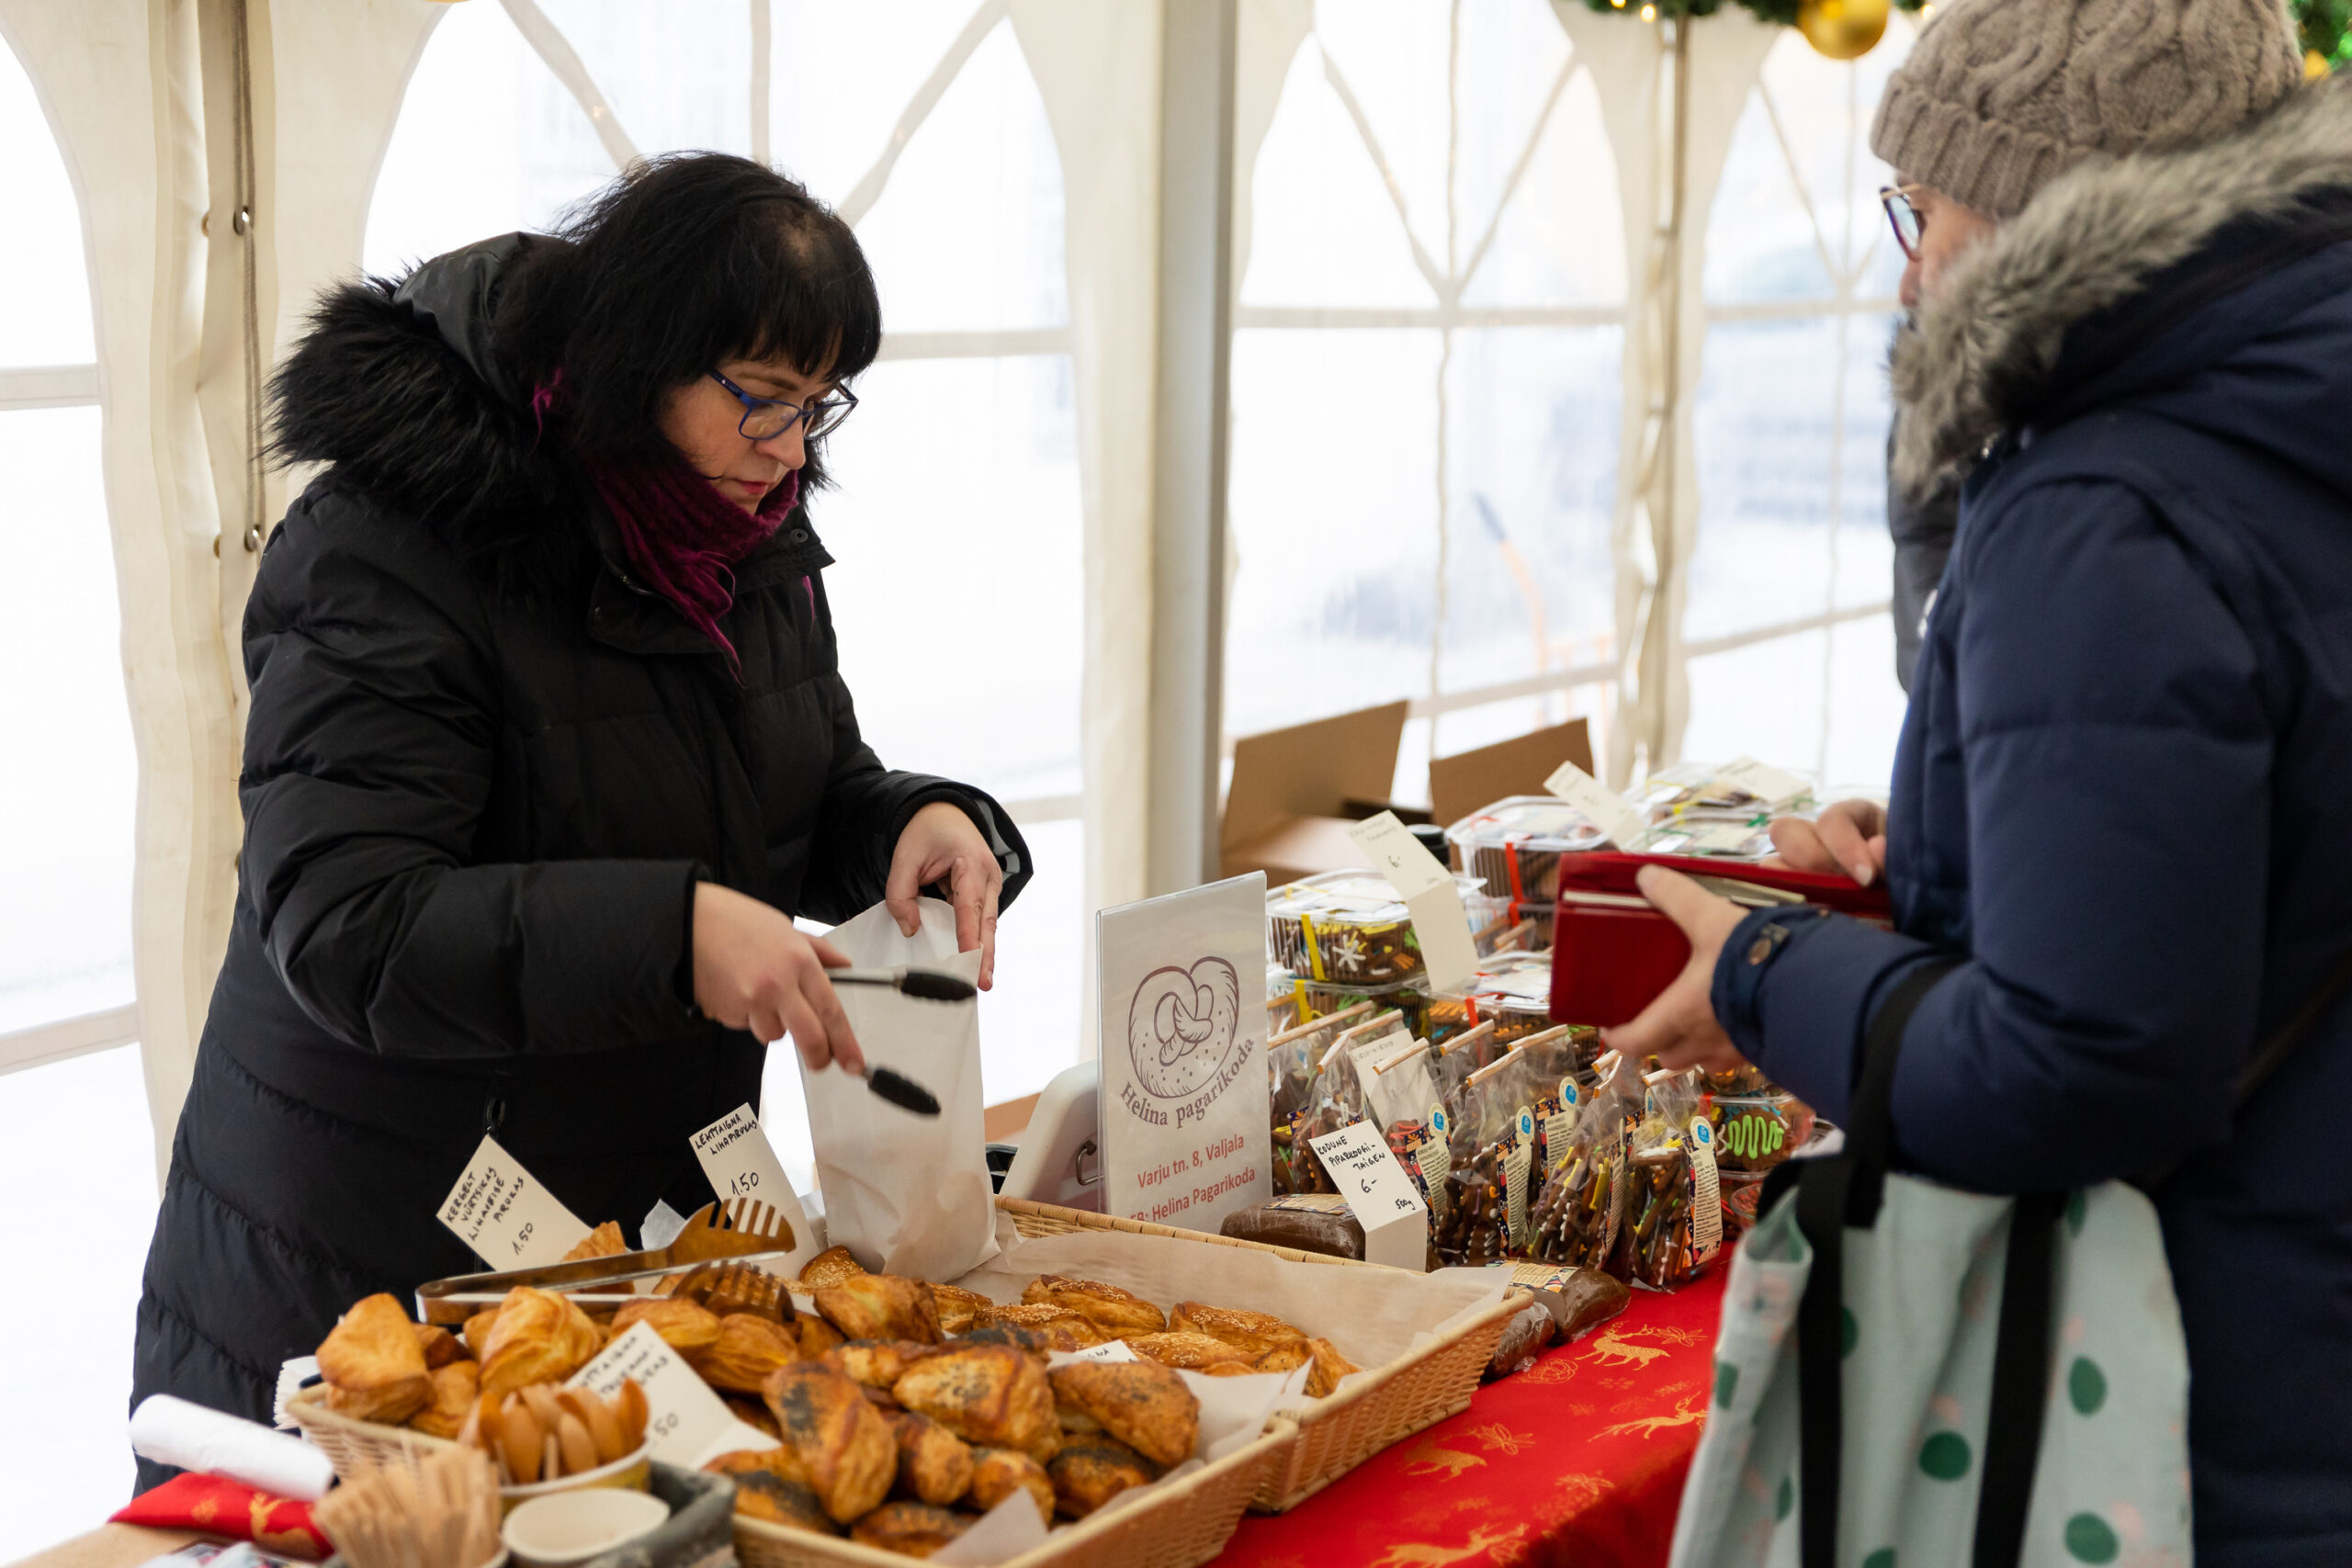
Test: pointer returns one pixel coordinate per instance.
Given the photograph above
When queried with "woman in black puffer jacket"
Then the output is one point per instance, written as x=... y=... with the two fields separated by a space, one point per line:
x=548 y=743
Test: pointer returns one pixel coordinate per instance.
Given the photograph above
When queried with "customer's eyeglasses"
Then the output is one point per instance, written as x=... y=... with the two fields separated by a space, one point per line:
x=764 y=419
x=1904 y=216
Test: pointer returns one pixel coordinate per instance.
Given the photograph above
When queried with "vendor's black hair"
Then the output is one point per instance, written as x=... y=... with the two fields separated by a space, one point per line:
x=688 y=260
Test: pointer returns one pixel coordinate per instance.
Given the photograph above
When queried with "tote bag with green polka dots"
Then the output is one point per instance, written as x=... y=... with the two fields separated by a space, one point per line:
x=1992 y=1380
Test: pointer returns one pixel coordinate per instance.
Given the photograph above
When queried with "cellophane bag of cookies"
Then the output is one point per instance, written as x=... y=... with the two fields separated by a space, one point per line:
x=1337 y=1097
x=1672 y=1222
x=1583 y=1192
x=1294 y=1060
x=1491 y=1166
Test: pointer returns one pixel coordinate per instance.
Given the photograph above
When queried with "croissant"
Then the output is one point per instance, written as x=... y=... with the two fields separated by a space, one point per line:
x=746 y=1350
x=935 y=1464
x=1089 y=1472
x=456 y=1387
x=374 y=1365
x=1026 y=1341
x=910 y=1530
x=1256 y=1332
x=1061 y=1328
x=960 y=1310
x=538 y=1339
x=1283 y=1358
x=830 y=1267
x=763 y=1491
x=1114 y=1311
x=688 y=1327
x=605 y=1241
x=440 y=1346
x=1141 y=1403
x=877 y=1363
x=476 y=1333
x=881 y=1306
x=998 y=1474
x=1190 y=1352
x=839 y=1442
x=816 y=1336
x=1329 y=1368
x=989 y=1394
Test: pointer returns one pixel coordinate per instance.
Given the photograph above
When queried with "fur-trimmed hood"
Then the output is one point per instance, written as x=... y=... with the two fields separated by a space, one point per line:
x=397 y=386
x=2045 y=319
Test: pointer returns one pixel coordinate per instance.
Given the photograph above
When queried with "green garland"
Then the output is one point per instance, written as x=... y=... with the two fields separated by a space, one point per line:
x=2326 y=25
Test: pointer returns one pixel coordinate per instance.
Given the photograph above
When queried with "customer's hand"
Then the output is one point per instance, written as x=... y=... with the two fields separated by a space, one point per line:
x=754 y=970
x=1848 y=837
x=942 y=845
x=1679 y=1027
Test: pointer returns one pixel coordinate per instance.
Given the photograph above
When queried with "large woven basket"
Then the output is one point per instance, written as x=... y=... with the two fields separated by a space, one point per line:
x=1336 y=1434
x=1181 y=1524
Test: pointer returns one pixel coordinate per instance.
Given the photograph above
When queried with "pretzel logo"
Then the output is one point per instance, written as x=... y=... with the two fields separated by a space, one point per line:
x=1181 y=1025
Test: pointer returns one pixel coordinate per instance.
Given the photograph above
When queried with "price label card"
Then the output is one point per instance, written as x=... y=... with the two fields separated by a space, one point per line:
x=1767 y=785
x=501 y=1211
x=1440 y=923
x=738 y=1162
x=687 y=1423
x=1109 y=1350
x=1367 y=1174
x=1611 y=812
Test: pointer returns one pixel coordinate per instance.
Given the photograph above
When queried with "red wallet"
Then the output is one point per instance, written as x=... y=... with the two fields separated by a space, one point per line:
x=1612 y=953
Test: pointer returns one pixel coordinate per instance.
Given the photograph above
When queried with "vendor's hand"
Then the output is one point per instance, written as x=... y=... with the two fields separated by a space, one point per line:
x=1847 y=838
x=1679 y=1027
x=753 y=969
x=942 y=845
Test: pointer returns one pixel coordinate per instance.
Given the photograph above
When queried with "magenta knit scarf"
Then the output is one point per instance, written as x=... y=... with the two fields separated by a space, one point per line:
x=683 y=537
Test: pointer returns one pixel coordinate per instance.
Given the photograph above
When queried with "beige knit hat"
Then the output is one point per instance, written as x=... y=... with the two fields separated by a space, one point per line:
x=2000 y=97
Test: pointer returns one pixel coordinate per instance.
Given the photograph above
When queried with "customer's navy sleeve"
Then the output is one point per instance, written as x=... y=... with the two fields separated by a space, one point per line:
x=2117 y=755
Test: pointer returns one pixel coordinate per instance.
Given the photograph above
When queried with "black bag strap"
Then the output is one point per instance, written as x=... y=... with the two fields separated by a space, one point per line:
x=2271 y=1054
x=1844 y=1189
x=2021 y=1382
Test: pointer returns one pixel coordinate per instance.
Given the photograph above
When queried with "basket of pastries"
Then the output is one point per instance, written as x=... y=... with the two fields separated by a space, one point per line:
x=1404 y=1351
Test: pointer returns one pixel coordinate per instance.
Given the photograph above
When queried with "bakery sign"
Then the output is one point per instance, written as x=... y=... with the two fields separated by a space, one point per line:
x=1181 y=985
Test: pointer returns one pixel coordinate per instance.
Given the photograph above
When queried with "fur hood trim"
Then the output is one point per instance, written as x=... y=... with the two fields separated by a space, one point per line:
x=1983 y=352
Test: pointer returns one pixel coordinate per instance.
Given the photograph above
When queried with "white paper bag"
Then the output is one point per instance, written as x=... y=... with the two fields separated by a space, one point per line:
x=908 y=1194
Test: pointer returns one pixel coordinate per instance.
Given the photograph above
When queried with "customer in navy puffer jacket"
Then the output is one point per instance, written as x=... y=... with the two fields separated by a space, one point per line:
x=2123 y=797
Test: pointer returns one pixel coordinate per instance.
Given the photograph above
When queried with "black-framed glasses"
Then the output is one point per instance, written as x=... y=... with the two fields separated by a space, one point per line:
x=764 y=419
x=1903 y=217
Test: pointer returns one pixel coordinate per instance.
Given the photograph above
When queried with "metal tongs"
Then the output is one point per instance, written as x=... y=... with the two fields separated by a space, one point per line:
x=746 y=1233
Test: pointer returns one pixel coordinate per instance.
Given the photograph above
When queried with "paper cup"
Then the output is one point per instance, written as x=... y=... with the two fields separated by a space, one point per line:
x=630 y=1473
x=566 y=1528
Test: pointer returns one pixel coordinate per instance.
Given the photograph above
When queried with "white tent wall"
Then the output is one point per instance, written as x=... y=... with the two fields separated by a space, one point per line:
x=143 y=99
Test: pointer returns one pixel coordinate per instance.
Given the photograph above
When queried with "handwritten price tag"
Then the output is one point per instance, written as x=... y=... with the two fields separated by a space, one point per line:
x=501 y=1211
x=1770 y=785
x=1109 y=1350
x=1615 y=816
x=738 y=1162
x=1428 y=888
x=1367 y=1175
x=687 y=1425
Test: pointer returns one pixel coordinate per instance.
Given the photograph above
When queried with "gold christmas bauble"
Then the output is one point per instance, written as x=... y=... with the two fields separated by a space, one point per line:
x=1842 y=29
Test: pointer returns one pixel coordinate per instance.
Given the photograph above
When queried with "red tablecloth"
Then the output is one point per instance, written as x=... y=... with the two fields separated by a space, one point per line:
x=1577 y=1461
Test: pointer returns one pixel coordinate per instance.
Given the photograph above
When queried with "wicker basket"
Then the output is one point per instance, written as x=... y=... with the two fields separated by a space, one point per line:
x=1335 y=1434
x=1181 y=1525
x=356 y=1447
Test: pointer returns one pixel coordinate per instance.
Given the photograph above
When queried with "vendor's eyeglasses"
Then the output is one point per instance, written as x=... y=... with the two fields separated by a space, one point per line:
x=764 y=419
x=1908 y=225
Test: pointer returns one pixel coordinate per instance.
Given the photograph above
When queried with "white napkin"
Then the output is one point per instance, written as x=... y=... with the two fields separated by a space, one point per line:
x=173 y=1431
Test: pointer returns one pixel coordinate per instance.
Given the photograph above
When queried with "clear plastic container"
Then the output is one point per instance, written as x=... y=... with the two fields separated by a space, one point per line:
x=1347 y=927
x=1311 y=999
x=1513 y=991
x=1505 y=924
x=1515 y=845
x=1693 y=810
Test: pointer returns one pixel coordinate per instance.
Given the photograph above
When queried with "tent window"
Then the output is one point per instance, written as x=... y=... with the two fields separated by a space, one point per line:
x=1791 y=655
x=66 y=805
x=957 y=518
x=1427 y=372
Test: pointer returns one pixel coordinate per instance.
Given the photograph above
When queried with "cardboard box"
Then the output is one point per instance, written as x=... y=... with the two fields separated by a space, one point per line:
x=1461 y=784
x=1289 y=807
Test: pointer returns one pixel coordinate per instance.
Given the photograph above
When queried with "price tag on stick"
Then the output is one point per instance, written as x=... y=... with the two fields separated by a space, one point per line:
x=687 y=1425
x=501 y=1211
x=1440 y=923
x=1367 y=1174
x=738 y=1162
x=1611 y=812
